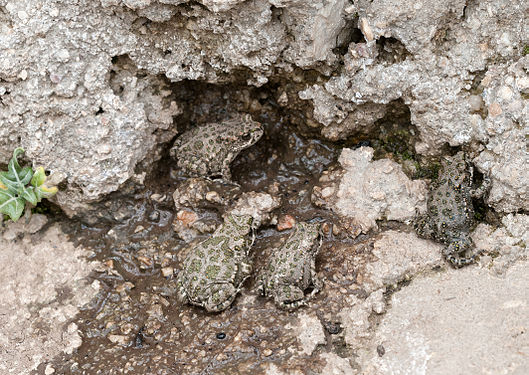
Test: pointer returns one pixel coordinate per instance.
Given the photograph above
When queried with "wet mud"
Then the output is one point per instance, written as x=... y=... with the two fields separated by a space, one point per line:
x=136 y=325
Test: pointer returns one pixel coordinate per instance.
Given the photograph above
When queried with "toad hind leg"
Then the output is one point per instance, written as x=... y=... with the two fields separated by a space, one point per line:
x=221 y=298
x=317 y=283
x=289 y=297
x=452 y=252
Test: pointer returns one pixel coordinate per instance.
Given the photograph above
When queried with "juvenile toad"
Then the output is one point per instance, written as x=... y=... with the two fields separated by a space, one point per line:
x=291 y=268
x=450 y=213
x=215 y=269
x=208 y=150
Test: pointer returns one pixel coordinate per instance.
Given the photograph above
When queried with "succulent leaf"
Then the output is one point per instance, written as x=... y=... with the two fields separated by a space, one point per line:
x=11 y=204
x=14 y=192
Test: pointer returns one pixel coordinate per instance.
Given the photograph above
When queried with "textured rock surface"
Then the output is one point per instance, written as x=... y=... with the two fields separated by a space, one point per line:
x=505 y=244
x=95 y=90
x=309 y=332
x=84 y=86
x=442 y=61
x=364 y=191
x=399 y=256
x=42 y=286
x=456 y=322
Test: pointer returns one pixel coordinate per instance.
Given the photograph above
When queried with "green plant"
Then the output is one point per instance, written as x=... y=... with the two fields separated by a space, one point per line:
x=525 y=50
x=22 y=187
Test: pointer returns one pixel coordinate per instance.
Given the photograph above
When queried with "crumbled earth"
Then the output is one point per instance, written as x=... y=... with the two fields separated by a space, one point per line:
x=43 y=285
x=364 y=191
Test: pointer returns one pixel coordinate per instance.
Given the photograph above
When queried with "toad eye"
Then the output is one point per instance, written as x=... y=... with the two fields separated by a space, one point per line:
x=247 y=136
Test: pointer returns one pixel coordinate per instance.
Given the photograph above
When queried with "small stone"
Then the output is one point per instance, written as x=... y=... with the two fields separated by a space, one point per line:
x=505 y=93
x=167 y=271
x=267 y=352
x=96 y=285
x=118 y=339
x=213 y=196
x=49 y=370
x=126 y=286
x=158 y=197
x=55 y=78
x=523 y=84
x=54 y=12
x=186 y=217
x=475 y=102
x=154 y=216
x=112 y=234
x=139 y=228
x=350 y=9
x=366 y=29
x=378 y=195
x=104 y=149
x=22 y=14
x=127 y=328
x=283 y=99
x=36 y=223
x=222 y=357
x=145 y=260
x=327 y=192
x=285 y=222
x=23 y=75
x=495 y=109
x=381 y=350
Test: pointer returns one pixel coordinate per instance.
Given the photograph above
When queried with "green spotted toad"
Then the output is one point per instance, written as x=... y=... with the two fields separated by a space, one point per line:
x=291 y=269
x=450 y=213
x=214 y=270
x=208 y=150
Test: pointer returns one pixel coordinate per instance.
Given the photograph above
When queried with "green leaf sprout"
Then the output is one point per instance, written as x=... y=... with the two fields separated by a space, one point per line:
x=21 y=187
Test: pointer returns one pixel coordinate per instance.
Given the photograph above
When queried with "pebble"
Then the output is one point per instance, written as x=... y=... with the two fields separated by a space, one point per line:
x=22 y=14
x=366 y=29
x=505 y=93
x=167 y=271
x=127 y=328
x=145 y=260
x=283 y=99
x=475 y=102
x=222 y=357
x=285 y=222
x=327 y=192
x=125 y=286
x=495 y=110
x=139 y=228
x=158 y=197
x=49 y=370
x=154 y=216
x=118 y=339
x=186 y=217
x=104 y=149
x=213 y=196
x=23 y=75
x=267 y=352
